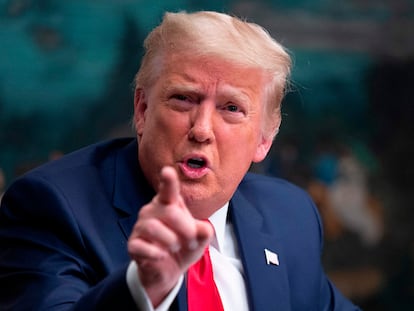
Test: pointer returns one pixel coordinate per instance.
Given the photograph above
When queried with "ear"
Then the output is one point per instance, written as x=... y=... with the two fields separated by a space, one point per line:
x=262 y=149
x=266 y=140
x=140 y=107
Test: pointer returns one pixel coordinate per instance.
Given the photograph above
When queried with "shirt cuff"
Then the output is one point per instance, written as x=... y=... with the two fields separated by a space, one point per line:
x=140 y=296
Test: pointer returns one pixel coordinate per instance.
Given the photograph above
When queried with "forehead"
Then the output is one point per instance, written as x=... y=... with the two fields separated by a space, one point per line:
x=209 y=71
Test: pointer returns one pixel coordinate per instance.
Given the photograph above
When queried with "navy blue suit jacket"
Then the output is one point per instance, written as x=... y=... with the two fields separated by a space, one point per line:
x=64 y=229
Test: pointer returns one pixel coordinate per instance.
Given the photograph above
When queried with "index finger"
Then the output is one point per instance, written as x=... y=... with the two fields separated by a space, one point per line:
x=169 y=187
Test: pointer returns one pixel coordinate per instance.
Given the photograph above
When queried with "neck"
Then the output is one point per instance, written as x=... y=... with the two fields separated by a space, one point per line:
x=202 y=210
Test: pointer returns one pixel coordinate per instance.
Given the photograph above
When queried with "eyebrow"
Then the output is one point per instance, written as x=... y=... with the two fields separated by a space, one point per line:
x=182 y=86
x=186 y=84
x=235 y=92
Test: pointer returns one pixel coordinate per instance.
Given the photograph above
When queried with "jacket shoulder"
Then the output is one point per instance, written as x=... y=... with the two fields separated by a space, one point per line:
x=282 y=202
x=92 y=155
x=267 y=187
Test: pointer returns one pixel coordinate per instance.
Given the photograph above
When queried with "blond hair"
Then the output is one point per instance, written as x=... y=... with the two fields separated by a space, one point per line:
x=229 y=38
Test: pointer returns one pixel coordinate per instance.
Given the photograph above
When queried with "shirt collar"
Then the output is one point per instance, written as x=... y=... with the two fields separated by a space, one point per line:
x=218 y=220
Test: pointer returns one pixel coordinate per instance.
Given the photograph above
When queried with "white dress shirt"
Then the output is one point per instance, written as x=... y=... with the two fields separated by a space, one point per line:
x=227 y=271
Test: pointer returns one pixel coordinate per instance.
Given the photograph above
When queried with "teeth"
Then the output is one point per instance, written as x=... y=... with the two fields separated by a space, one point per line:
x=196 y=163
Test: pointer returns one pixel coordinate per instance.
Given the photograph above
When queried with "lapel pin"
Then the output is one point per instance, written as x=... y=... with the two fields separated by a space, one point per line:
x=271 y=258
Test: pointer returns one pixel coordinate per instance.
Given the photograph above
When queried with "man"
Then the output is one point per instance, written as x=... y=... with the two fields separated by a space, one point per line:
x=119 y=224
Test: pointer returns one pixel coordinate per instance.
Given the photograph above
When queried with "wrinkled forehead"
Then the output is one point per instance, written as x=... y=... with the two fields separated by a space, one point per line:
x=213 y=67
x=210 y=71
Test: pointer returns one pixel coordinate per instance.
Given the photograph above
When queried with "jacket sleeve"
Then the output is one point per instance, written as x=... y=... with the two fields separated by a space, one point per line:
x=44 y=262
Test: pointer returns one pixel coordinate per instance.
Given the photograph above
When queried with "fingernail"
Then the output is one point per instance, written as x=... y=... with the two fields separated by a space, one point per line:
x=193 y=244
x=175 y=248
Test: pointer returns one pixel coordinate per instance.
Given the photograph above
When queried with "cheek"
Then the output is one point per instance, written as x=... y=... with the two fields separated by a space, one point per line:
x=239 y=145
x=167 y=125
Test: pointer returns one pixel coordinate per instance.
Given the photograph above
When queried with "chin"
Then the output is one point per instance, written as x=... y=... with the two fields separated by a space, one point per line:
x=199 y=199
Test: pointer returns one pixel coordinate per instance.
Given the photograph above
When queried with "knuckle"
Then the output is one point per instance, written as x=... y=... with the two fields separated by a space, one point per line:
x=150 y=227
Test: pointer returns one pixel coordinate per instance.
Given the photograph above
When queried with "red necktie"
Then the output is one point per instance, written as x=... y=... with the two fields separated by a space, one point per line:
x=202 y=291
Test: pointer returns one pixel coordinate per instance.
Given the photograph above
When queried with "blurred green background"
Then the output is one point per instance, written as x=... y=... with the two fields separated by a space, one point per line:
x=66 y=71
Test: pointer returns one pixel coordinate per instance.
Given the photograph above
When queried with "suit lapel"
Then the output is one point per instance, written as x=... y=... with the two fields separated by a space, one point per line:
x=130 y=189
x=267 y=284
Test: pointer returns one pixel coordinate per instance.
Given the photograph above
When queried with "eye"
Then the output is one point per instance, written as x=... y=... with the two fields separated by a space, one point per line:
x=180 y=102
x=233 y=113
x=232 y=108
x=179 y=97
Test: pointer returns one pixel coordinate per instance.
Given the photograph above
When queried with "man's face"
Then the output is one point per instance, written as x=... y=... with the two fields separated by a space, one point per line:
x=203 y=117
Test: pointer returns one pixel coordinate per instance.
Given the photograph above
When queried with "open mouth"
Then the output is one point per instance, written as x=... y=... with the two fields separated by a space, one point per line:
x=194 y=167
x=196 y=162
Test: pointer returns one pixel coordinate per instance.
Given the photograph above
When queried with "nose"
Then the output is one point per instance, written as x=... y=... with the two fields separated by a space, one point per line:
x=201 y=129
